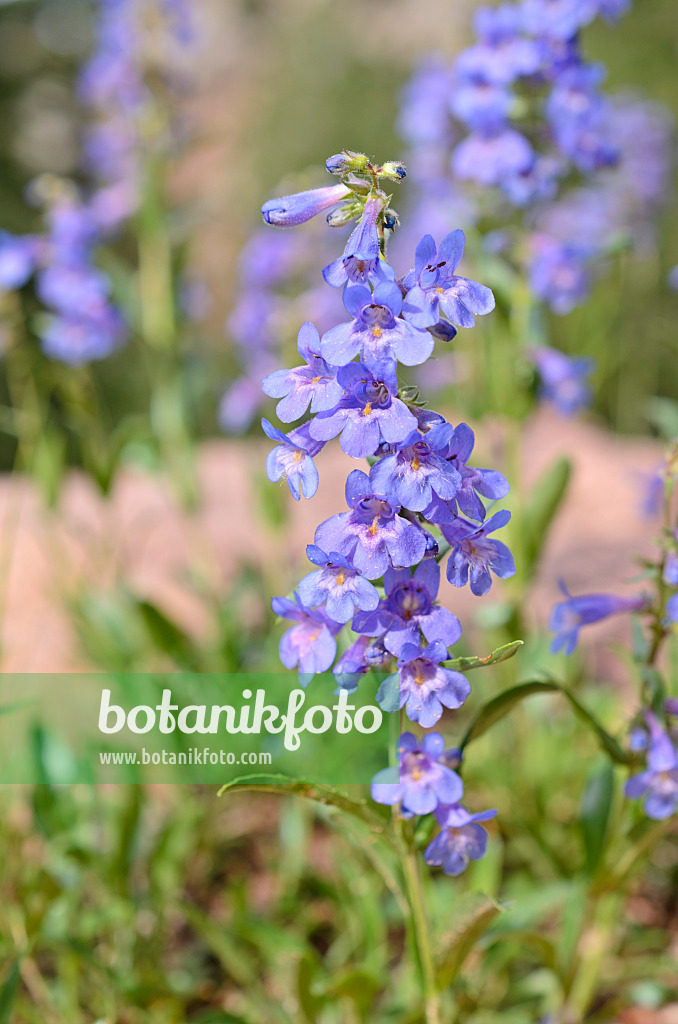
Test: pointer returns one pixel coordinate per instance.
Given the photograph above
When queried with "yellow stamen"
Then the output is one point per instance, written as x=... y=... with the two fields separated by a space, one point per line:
x=377 y=332
x=373 y=528
x=440 y=291
x=315 y=380
x=298 y=456
x=368 y=409
x=340 y=578
x=415 y=464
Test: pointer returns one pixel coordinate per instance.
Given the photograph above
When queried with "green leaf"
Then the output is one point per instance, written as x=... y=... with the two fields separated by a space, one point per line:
x=543 y=503
x=326 y=795
x=662 y=413
x=7 y=994
x=309 y=1002
x=168 y=636
x=359 y=986
x=471 y=922
x=500 y=654
x=500 y=705
x=595 y=810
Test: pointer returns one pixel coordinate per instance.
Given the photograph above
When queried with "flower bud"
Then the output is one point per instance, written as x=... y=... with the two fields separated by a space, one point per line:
x=395 y=170
x=288 y=211
x=391 y=220
x=443 y=331
x=344 y=215
x=347 y=160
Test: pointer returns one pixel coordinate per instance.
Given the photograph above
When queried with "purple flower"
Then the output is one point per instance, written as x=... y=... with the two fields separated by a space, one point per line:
x=289 y=211
x=422 y=686
x=410 y=606
x=435 y=288
x=292 y=458
x=558 y=273
x=337 y=585
x=568 y=616
x=17 y=260
x=361 y=261
x=417 y=471
x=475 y=553
x=487 y=482
x=353 y=664
x=76 y=340
x=461 y=840
x=489 y=157
x=502 y=53
x=579 y=118
x=424 y=782
x=376 y=331
x=315 y=382
x=563 y=381
x=371 y=534
x=671 y=577
x=78 y=289
x=369 y=411
x=560 y=19
x=480 y=104
x=659 y=783
x=310 y=644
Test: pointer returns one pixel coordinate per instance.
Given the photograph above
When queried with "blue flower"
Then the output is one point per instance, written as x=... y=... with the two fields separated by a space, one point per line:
x=76 y=340
x=502 y=52
x=462 y=839
x=424 y=782
x=579 y=119
x=671 y=577
x=489 y=483
x=560 y=19
x=292 y=458
x=480 y=104
x=558 y=272
x=371 y=534
x=409 y=606
x=417 y=471
x=659 y=783
x=563 y=381
x=361 y=261
x=310 y=644
x=315 y=382
x=288 y=211
x=435 y=288
x=376 y=331
x=18 y=257
x=475 y=553
x=369 y=411
x=489 y=157
x=353 y=664
x=570 y=615
x=422 y=686
x=337 y=585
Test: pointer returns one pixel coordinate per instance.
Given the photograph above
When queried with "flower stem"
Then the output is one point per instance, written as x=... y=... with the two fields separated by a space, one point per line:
x=422 y=936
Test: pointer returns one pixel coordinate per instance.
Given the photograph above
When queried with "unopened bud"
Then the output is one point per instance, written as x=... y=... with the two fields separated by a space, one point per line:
x=347 y=160
x=393 y=169
x=344 y=215
x=391 y=220
x=443 y=331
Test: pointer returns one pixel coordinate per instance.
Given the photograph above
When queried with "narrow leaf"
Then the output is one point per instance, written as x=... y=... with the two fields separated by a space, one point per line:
x=7 y=994
x=595 y=812
x=327 y=795
x=544 y=502
x=500 y=705
x=472 y=922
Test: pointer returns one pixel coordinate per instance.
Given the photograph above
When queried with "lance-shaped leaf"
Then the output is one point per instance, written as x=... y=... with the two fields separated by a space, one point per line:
x=372 y=815
x=595 y=810
x=500 y=706
x=543 y=503
x=471 y=922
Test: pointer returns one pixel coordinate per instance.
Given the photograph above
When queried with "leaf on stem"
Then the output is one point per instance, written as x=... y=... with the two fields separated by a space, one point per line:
x=500 y=654
x=471 y=922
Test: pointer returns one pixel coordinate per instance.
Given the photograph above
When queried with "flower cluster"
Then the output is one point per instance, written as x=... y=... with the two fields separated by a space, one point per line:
x=82 y=323
x=649 y=736
x=376 y=565
x=518 y=131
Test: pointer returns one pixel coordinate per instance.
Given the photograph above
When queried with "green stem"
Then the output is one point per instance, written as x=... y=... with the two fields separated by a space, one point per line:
x=422 y=936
